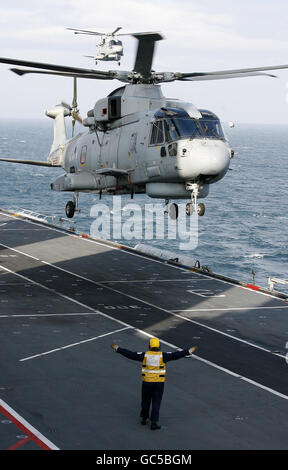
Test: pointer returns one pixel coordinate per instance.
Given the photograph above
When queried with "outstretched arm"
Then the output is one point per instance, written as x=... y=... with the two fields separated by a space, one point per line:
x=136 y=356
x=173 y=356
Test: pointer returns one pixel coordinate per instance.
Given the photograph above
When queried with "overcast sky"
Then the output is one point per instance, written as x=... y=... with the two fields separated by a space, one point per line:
x=204 y=35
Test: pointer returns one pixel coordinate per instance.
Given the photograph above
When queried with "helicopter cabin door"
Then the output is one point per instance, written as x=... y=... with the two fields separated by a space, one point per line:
x=109 y=148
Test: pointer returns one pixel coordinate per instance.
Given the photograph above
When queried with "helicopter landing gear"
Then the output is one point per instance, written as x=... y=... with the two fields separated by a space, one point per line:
x=72 y=206
x=201 y=208
x=193 y=206
x=70 y=209
x=189 y=208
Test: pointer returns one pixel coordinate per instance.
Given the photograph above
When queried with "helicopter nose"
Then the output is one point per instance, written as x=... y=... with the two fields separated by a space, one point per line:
x=203 y=159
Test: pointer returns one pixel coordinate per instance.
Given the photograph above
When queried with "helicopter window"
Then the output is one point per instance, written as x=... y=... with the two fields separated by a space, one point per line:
x=191 y=128
x=132 y=148
x=186 y=127
x=157 y=134
x=211 y=128
x=83 y=155
x=171 y=131
x=113 y=42
x=168 y=132
x=172 y=149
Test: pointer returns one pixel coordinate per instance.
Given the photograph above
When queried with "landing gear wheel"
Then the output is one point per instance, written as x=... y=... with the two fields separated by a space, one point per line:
x=201 y=209
x=189 y=209
x=173 y=211
x=70 y=209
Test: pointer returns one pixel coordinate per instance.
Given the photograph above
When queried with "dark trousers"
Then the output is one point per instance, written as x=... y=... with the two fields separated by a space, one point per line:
x=151 y=393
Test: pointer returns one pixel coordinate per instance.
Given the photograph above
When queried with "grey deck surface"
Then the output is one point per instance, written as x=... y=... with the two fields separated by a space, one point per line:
x=64 y=300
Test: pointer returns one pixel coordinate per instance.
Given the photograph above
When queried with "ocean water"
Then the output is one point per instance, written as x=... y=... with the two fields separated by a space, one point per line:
x=243 y=231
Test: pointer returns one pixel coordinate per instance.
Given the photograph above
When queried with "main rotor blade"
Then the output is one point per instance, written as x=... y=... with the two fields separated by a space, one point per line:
x=145 y=52
x=199 y=77
x=231 y=72
x=57 y=68
x=117 y=29
x=79 y=31
x=63 y=74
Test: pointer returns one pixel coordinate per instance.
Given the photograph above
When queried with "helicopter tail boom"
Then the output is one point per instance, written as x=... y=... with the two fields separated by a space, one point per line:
x=57 y=151
x=29 y=162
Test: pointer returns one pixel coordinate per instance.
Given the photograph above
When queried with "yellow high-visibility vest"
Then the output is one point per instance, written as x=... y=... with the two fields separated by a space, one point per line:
x=153 y=367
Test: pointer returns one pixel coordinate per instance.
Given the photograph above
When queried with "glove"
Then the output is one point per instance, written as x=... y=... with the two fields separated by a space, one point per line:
x=114 y=347
x=192 y=350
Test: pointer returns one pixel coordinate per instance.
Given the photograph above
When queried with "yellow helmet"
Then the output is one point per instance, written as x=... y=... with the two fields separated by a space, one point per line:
x=154 y=343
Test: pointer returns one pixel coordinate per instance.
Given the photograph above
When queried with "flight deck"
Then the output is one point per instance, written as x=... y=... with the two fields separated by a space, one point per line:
x=65 y=297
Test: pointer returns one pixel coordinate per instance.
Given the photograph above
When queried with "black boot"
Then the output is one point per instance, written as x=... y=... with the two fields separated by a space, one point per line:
x=144 y=421
x=155 y=426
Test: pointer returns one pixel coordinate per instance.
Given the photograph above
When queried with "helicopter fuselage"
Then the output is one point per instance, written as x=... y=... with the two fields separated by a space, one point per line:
x=138 y=141
x=110 y=49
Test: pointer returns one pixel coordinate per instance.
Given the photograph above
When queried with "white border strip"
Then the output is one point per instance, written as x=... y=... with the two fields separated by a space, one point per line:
x=28 y=426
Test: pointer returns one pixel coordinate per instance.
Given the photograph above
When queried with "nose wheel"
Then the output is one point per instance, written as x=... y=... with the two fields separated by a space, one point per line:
x=200 y=208
x=193 y=205
x=172 y=209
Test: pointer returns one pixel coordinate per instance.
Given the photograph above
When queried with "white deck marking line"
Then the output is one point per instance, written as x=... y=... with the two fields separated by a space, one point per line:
x=156 y=280
x=141 y=301
x=274 y=392
x=49 y=315
x=164 y=310
x=246 y=379
x=72 y=345
x=185 y=271
x=78 y=237
x=228 y=309
x=64 y=296
x=18 y=419
x=223 y=369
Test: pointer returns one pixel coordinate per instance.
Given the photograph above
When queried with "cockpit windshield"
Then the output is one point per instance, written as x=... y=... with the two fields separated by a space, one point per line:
x=115 y=42
x=173 y=124
x=191 y=128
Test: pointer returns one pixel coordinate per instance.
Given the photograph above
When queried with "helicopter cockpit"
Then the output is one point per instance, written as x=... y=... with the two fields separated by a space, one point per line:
x=115 y=42
x=174 y=124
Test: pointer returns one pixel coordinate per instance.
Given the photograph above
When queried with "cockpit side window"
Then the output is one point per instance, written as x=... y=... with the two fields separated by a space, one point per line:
x=157 y=133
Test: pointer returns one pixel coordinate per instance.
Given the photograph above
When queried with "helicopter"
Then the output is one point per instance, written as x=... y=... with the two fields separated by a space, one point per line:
x=110 y=48
x=136 y=140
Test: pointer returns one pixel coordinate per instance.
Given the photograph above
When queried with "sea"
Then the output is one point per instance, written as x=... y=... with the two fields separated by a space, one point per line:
x=243 y=233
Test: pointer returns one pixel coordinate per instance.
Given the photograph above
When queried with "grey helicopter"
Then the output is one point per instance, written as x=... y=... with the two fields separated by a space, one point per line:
x=136 y=140
x=110 y=47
